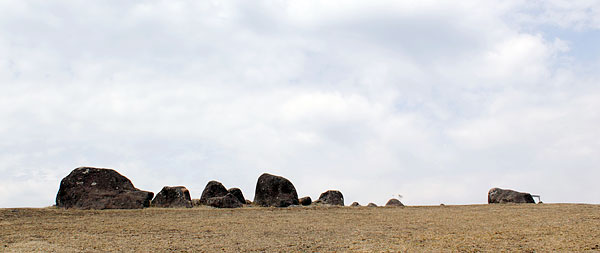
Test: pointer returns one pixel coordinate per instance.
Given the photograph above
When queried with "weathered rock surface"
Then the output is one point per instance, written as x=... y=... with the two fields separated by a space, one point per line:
x=372 y=205
x=305 y=201
x=238 y=194
x=172 y=196
x=394 y=202
x=212 y=189
x=99 y=188
x=275 y=191
x=497 y=195
x=331 y=197
x=355 y=204
x=227 y=201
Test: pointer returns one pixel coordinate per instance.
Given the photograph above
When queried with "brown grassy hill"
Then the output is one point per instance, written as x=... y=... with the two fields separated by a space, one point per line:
x=528 y=227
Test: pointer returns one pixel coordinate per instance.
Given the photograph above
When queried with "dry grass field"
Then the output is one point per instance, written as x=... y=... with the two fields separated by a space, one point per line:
x=528 y=227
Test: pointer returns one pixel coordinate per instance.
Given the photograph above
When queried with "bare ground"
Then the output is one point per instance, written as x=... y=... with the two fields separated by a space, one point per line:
x=527 y=227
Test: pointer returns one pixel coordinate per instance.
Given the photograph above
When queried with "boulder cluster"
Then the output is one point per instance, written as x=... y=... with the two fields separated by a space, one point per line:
x=100 y=188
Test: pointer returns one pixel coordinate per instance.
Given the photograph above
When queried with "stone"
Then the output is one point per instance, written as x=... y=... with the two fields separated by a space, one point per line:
x=497 y=195
x=355 y=204
x=275 y=191
x=238 y=194
x=394 y=202
x=195 y=202
x=372 y=205
x=331 y=197
x=212 y=189
x=172 y=196
x=227 y=201
x=305 y=201
x=100 y=188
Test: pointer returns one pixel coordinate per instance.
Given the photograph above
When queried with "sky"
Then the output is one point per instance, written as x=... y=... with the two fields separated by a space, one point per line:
x=436 y=101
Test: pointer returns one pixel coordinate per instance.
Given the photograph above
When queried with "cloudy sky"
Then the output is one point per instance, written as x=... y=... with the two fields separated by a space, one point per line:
x=438 y=101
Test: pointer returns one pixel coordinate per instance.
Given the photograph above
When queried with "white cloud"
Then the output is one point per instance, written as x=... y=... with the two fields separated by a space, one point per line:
x=437 y=101
x=567 y=14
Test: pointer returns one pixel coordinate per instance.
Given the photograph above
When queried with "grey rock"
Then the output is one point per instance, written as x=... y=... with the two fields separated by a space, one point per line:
x=305 y=201
x=331 y=197
x=227 y=201
x=238 y=194
x=275 y=191
x=212 y=189
x=100 y=188
x=172 y=196
x=497 y=195
x=394 y=202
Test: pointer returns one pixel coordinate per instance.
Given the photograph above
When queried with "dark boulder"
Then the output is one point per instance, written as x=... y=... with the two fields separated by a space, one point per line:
x=305 y=201
x=497 y=195
x=212 y=189
x=275 y=191
x=227 y=201
x=394 y=202
x=238 y=194
x=172 y=196
x=331 y=197
x=99 y=188
x=355 y=204
x=372 y=205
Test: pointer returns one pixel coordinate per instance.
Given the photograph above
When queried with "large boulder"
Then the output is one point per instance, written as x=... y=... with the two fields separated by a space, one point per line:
x=227 y=201
x=99 y=188
x=212 y=189
x=394 y=202
x=275 y=191
x=175 y=196
x=331 y=197
x=305 y=201
x=238 y=194
x=497 y=195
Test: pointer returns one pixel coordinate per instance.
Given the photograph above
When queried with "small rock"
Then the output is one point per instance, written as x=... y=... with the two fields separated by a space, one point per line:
x=305 y=201
x=355 y=204
x=394 y=202
x=195 y=202
x=331 y=197
x=372 y=205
